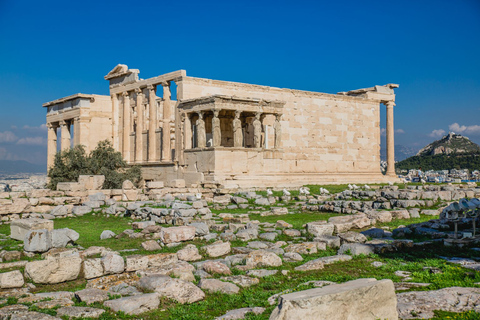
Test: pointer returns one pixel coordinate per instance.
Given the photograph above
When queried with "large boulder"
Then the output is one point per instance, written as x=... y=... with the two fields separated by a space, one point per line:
x=361 y=299
x=54 y=270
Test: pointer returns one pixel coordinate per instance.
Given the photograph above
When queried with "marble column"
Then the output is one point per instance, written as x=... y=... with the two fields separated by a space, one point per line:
x=257 y=131
x=201 y=135
x=139 y=127
x=187 y=136
x=76 y=131
x=152 y=125
x=237 y=130
x=126 y=126
x=115 y=123
x=216 y=130
x=390 y=139
x=65 y=142
x=166 y=143
x=277 y=128
x=51 y=145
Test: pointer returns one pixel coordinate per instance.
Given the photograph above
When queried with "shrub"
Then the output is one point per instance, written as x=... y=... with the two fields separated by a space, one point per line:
x=104 y=160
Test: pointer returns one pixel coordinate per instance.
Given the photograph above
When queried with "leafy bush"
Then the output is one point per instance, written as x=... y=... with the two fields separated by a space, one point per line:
x=104 y=160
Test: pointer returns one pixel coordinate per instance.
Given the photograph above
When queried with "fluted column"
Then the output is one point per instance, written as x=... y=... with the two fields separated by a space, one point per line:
x=152 y=124
x=390 y=139
x=76 y=131
x=51 y=145
x=139 y=128
x=166 y=148
x=201 y=135
x=65 y=142
x=216 y=130
x=126 y=126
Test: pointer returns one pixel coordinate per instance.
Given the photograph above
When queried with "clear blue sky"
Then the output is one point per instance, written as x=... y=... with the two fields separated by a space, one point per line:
x=51 y=49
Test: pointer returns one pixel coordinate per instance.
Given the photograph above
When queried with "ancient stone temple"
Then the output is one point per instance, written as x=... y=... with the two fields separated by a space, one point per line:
x=228 y=133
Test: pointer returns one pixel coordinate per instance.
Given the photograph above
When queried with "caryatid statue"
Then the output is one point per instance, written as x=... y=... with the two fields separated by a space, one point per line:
x=201 y=139
x=237 y=130
x=257 y=131
x=217 y=133
x=277 y=128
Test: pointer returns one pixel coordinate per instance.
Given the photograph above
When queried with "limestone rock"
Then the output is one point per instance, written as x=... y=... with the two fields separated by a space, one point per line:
x=352 y=237
x=355 y=249
x=217 y=249
x=360 y=299
x=151 y=245
x=62 y=237
x=262 y=258
x=177 y=234
x=107 y=234
x=12 y=279
x=93 y=268
x=216 y=267
x=292 y=257
x=261 y=273
x=302 y=248
x=215 y=285
x=37 y=240
x=189 y=253
x=53 y=271
x=113 y=263
x=241 y=280
x=345 y=223
x=421 y=304
x=240 y=313
x=91 y=295
x=20 y=227
x=80 y=312
x=179 y=290
x=134 y=305
x=320 y=228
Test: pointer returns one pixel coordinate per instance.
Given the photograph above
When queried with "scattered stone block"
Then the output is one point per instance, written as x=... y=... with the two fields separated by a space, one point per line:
x=12 y=279
x=80 y=312
x=91 y=295
x=53 y=271
x=362 y=299
x=135 y=304
x=217 y=249
x=215 y=285
x=20 y=227
x=177 y=234
x=179 y=290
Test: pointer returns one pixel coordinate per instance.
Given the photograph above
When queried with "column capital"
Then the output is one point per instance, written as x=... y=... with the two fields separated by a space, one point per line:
x=165 y=84
x=51 y=126
x=389 y=104
x=138 y=91
x=63 y=123
x=151 y=87
x=125 y=94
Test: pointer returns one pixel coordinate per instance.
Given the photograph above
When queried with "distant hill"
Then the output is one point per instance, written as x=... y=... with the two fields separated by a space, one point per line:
x=452 y=151
x=451 y=143
x=20 y=166
x=401 y=152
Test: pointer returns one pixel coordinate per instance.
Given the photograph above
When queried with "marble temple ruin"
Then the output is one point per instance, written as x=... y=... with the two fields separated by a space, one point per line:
x=228 y=133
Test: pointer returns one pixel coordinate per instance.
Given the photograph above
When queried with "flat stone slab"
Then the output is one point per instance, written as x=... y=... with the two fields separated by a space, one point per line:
x=20 y=227
x=80 y=312
x=421 y=304
x=361 y=299
x=134 y=305
x=240 y=313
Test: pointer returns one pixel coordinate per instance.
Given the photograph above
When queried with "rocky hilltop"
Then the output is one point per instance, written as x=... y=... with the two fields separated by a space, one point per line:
x=450 y=143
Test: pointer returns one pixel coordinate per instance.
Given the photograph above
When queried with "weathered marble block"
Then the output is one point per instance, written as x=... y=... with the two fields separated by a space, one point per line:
x=20 y=227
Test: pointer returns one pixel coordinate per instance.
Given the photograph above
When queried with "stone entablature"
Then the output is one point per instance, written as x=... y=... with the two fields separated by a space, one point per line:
x=282 y=136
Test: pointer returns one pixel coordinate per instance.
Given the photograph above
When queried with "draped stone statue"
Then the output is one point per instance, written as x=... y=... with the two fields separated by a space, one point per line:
x=201 y=139
x=216 y=130
x=277 y=128
x=257 y=131
x=237 y=131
